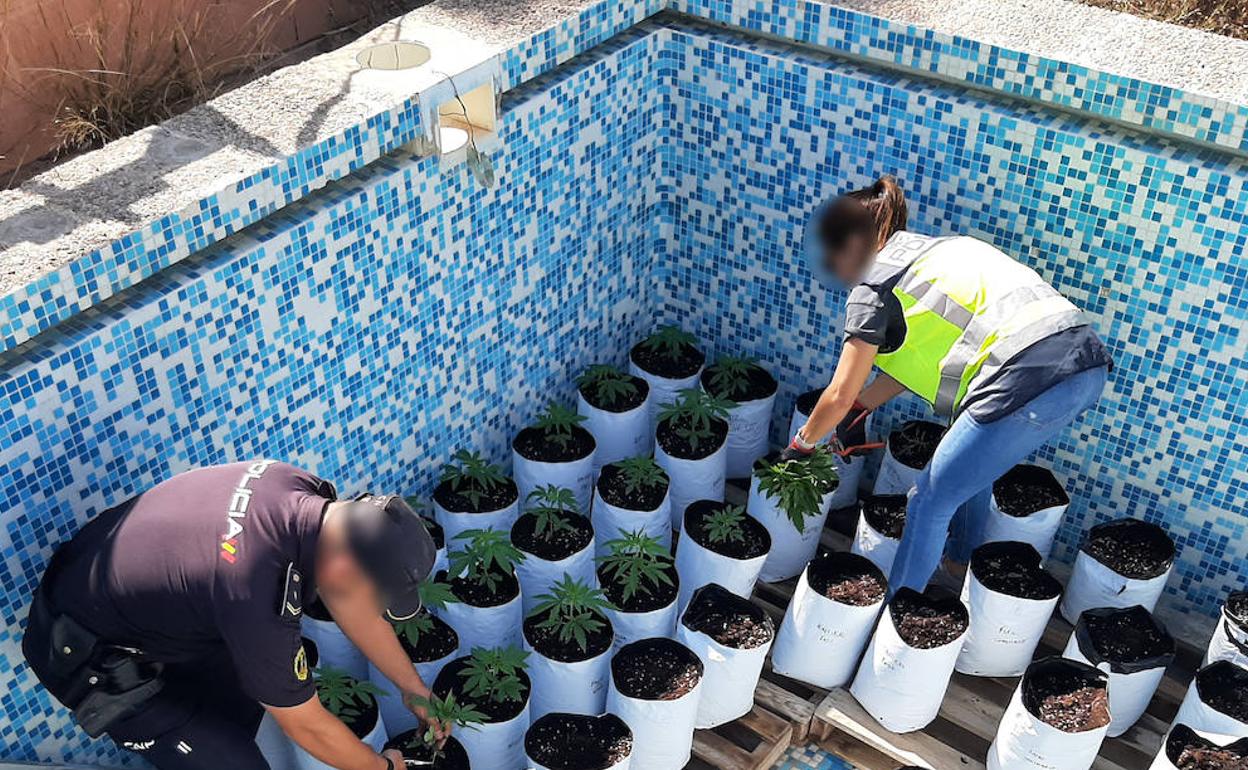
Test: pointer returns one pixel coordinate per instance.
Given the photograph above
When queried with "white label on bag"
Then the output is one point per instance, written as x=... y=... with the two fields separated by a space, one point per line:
x=1005 y=630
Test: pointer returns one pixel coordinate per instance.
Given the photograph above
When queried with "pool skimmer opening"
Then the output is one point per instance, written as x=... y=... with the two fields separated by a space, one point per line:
x=396 y=55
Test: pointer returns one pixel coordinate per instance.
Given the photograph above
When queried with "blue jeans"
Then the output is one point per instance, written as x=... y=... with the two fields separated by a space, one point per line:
x=970 y=457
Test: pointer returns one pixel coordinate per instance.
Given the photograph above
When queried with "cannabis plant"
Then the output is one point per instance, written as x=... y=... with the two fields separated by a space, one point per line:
x=730 y=376
x=693 y=413
x=640 y=473
x=636 y=562
x=486 y=556
x=726 y=524
x=472 y=476
x=494 y=674
x=798 y=486
x=433 y=595
x=551 y=506
x=557 y=422
x=669 y=341
x=573 y=609
x=343 y=695
x=445 y=711
x=608 y=384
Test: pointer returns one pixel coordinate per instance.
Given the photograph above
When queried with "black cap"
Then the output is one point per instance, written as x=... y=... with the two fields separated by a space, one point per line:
x=391 y=543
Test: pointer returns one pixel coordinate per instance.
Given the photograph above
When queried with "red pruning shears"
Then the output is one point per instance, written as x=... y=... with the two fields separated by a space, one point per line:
x=858 y=423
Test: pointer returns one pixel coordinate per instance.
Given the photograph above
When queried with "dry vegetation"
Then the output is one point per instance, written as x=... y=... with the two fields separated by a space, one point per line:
x=1223 y=17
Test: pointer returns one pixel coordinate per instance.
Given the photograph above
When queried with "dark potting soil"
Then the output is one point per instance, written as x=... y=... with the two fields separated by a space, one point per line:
x=914 y=443
x=655 y=669
x=928 y=620
x=613 y=489
x=806 y=402
x=1126 y=635
x=847 y=578
x=659 y=596
x=506 y=588
x=1237 y=608
x=1025 y=489
x=1223 y=686
x=625 y=402
x=451 y=757
x=1013 y=569
x=1066 y=694
x=759 y=384
x=1189 y=751
x=560 y=544
x=886 y=514
x=1134 y=549
x=575 y=742
x=449 y=680
x=731 y=620
x=755 y=543
x=433 y=644
x=495 y=499
x=678 y=446
x=533 y=444
x=655 y=362
x=547 y=641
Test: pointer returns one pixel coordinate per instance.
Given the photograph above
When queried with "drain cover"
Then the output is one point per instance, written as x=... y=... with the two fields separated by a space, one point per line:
x=399 y=55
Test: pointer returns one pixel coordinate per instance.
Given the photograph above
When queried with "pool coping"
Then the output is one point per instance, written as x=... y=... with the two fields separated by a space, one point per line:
x=100 y=223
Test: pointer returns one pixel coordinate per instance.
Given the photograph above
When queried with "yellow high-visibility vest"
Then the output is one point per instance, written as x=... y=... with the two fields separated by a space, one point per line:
x=968 y=308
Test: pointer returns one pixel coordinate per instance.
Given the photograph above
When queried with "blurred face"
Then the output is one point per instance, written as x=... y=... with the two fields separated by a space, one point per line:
x=337 y=571
x=850 y=262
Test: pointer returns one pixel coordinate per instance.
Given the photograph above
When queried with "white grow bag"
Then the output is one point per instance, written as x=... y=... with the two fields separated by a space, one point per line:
x=1229 y=642
x=497 y=745
x=875 y=545
x=663 y=390
x=609 y=519
x=899 y=685
x=1163 y=761
x=1037 y=528
x=749 y=426
x=1023 y=741
x=395 y=715
x=488 y=627
x=1198 y=715
x=454 y=523
x=698 y=566
x=790 y=550
x=848 y=470
x=623 y=764
x=375 y=740
x=1131 y=687
x=579 y=687
x=730 y=675
x=1005 y=630
x=692 y=480
x=634 y=626
x=334 y=648
x=537 y=575
x=276 y=748
x=619 y=435
x=820 y=639
x=576 y=475
x=662 y=729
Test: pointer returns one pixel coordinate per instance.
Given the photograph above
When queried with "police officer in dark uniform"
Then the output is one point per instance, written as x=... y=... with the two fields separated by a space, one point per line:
x=172 y=622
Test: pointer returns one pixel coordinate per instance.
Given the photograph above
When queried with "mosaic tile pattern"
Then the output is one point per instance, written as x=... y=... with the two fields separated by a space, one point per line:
x=1148 y=237
x=810 y=758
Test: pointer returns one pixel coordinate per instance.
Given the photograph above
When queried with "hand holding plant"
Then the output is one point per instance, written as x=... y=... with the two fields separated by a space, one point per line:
x=441 y=716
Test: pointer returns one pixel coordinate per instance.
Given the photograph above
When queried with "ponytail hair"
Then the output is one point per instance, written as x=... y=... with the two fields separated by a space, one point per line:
x=877 y=212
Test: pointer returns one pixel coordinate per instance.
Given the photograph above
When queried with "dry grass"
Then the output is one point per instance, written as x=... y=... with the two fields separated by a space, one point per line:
x=1223 y=17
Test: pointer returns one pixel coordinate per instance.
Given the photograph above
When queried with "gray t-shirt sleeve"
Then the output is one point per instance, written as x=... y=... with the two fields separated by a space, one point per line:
x=867 y=316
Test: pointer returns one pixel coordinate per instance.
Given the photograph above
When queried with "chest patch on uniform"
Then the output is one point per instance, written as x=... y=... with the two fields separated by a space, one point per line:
x=292 y=594
x=301 y=664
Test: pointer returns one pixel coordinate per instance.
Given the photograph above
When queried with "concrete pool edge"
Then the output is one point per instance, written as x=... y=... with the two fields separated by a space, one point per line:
x=105 y=221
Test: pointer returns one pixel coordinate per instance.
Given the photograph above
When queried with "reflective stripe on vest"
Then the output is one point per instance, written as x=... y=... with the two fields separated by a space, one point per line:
x=968 y=310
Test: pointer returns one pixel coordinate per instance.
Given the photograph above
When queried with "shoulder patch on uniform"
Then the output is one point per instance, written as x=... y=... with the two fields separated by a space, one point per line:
x=301 y=664
x=292 y=594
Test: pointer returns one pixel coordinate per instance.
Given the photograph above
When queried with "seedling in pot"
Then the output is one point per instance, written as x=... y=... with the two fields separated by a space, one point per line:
x=551 y=506
x=557 y=423
x=472 y=476
x=669 y=342
x=798 y=486
x=487 y=555
x=692 y=414
x=729 y=377
x=343 y=695
x=433 y=595
x=637 y=563
x=573 y=610
x=640 y=473
x=726 y=524
x=445 y=711
x=494 y=674
x=608 y=385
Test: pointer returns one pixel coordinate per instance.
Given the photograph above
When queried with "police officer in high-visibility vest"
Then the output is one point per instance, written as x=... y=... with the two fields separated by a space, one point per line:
x=982 y=338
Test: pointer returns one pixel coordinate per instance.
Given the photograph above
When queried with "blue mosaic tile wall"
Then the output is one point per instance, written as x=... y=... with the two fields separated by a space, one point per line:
x=1148 y=236
x=365 y=334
